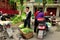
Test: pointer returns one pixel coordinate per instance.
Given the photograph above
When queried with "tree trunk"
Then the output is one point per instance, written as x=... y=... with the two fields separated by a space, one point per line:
x=21 y=2
x=44 y=4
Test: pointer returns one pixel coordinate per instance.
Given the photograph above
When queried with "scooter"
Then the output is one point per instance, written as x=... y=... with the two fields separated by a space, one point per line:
x=48 y=22
x=41 y=29
x=53 y=22
x=9 y=30
x=47 y=18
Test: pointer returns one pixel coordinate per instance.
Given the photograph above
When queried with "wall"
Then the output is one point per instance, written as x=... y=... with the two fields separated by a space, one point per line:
x=57 y=13
x=4 y=4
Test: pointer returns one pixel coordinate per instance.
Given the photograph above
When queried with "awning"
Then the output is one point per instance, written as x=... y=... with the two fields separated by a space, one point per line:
x=10 y=12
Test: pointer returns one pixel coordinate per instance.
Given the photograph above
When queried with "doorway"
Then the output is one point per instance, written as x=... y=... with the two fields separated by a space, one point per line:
x=53 y=10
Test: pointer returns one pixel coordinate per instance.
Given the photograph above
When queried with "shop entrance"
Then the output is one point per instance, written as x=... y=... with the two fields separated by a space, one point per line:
x=53 y=10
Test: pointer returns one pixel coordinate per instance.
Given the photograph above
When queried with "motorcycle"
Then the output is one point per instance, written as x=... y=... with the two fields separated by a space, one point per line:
x=41 y=29
x=49 y=25
x=47 y=18
x=53 y=22
x=9 y=30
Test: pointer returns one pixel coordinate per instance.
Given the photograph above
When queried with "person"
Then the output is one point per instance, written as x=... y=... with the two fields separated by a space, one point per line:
x=42 y=17
x=28 y=17
x=36 y=12
x=35 y=23
x=39 y=14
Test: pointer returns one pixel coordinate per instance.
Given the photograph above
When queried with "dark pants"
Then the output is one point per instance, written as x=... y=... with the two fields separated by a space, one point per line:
x=35 y=24
x=27 y=22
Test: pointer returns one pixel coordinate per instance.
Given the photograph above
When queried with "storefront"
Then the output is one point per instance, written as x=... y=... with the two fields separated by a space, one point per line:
x=53 y=10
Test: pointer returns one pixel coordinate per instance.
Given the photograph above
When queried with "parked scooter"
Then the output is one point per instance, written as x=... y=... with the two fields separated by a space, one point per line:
x=2 y=32
x=41 y=29
x=47 y=19
x=48 y=22
x=9 y=30
x=53 y=20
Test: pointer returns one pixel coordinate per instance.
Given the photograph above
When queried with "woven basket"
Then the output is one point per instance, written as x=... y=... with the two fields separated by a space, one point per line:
x=27 y=36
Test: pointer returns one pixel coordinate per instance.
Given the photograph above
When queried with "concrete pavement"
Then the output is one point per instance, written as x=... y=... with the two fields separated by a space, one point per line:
x=52 y=35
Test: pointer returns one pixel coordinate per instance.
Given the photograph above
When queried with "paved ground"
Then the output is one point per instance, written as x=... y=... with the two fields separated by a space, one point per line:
x=52 y=35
